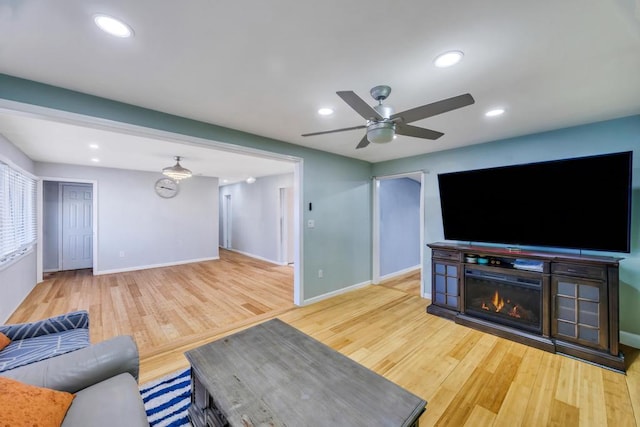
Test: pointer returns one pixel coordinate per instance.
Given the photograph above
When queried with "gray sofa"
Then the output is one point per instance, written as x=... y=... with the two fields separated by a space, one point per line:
x=103 y=376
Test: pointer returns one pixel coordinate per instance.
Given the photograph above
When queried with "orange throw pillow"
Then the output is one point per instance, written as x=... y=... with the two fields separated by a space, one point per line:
x=4 y=341
x=27 y=405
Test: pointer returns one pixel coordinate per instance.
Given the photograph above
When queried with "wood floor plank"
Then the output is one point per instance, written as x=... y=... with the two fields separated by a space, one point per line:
x=480 y=416
x=514 y=405
x=538 y=410
x=467 y=377
x=633 y=379
x=590 y=395
x=617 y=401
x=568 y=385
x=563 y=414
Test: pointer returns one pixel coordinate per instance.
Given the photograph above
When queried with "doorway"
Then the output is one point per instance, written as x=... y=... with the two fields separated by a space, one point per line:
x=398 y=220
x=68 y=225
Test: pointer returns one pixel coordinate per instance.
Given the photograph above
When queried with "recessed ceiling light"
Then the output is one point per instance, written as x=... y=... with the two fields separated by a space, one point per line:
x=95 y=160
x=251 y=180
x=225 y=181
x=325 y=111
x=113 y=26
x=94 y=146
x=448 y=59
x=494 y=112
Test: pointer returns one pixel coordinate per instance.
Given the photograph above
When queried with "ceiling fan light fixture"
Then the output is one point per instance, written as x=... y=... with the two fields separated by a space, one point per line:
x=448 y=59
x=177 y=172
x=381 y=132
x=113 y=26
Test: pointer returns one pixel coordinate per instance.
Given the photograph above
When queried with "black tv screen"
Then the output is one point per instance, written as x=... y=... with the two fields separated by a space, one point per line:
x=580 y=203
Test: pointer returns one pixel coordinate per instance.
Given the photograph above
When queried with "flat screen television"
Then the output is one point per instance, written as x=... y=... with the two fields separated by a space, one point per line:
x=579 y=203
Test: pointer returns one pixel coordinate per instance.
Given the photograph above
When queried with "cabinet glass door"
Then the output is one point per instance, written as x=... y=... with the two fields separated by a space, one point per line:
x=579 y=311
x=445 y=279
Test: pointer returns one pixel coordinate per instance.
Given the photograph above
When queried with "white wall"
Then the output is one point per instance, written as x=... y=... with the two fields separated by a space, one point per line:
x=19 y=278
x=143 y=227
x=255 y=215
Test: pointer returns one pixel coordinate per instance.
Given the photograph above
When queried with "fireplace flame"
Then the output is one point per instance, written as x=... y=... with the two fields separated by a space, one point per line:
x=497 y=302
x=515 y=312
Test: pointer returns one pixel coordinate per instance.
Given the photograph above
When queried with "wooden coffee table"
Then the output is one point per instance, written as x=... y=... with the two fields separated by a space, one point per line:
x=274 y=375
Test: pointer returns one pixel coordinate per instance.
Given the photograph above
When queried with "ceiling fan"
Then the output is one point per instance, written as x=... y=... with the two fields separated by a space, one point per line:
x=383 y=124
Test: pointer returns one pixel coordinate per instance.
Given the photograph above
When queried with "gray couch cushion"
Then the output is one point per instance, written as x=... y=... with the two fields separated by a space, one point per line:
x=113 y=402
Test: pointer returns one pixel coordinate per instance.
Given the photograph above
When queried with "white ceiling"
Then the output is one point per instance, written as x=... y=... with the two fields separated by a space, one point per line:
x=265 y=67
x=47 y=140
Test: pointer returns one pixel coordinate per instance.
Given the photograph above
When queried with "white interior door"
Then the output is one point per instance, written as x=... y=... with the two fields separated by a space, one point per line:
x=77 y=226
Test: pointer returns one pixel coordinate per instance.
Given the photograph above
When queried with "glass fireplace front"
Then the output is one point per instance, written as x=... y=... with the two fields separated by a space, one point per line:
x=506 y=298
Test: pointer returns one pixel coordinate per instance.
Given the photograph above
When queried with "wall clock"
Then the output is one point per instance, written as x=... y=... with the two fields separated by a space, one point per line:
x=166 y=188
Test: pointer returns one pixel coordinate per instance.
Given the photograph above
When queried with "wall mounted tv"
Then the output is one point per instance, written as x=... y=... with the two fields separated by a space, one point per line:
x=579 y=203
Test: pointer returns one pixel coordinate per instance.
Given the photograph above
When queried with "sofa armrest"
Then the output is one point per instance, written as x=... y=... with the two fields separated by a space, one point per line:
x=79 y=369
x=64 y=322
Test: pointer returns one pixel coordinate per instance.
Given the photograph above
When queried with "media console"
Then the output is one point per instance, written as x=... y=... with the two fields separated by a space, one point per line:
x=561 y=303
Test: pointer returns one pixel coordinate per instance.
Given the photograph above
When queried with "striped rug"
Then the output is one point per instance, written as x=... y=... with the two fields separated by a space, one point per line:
x=166 y=400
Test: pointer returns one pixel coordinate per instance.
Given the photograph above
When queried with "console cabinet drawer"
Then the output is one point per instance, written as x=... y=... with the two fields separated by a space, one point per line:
x=451 y=255
x=587 y=271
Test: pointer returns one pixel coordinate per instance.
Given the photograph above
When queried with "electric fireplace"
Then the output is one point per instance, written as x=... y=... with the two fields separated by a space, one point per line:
x=557 y=302
x=504 y=298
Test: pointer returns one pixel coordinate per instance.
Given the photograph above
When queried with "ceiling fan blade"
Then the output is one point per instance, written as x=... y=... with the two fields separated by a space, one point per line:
x=434 y=109
x=363 y=142
x=358 y=104
x=332 y=131
x=408 y=130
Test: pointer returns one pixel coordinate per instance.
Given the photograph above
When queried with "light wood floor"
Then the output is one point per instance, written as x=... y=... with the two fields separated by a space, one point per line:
x=467 y=377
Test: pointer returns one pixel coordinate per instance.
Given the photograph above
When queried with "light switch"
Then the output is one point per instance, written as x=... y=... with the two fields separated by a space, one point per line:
x=311 y=223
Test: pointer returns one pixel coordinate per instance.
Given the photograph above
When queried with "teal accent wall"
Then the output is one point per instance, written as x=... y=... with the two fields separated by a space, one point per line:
x=338 y=187
x=591 y=139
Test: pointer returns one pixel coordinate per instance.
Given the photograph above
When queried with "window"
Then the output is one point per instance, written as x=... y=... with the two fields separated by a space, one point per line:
x=17 y=213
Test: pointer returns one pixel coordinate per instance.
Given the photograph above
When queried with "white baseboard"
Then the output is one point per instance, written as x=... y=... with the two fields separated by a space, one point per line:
x=400 y=272
x=258 y=257
x=336 y=292
x=146 y=267
x=630 y=339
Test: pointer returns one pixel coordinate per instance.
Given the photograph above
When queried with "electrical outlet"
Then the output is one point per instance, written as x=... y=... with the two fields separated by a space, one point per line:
x=320 y=273
x=121 y=254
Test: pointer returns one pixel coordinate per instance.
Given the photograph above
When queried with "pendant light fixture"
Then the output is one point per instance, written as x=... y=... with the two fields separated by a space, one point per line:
x=177 y=172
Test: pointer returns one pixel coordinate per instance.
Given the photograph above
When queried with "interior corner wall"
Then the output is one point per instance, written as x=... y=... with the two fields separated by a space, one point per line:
x=596 y=138
x=399 y=200
x=19 y=278
x=255 y=215
x=138 y=229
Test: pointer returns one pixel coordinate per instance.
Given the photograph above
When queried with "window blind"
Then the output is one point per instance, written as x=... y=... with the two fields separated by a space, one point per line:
x=17 y=213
